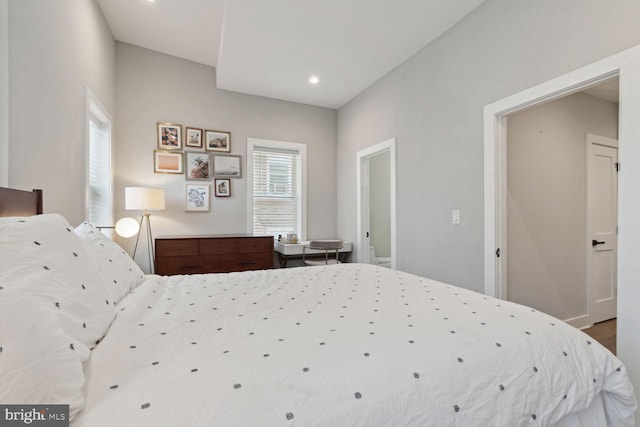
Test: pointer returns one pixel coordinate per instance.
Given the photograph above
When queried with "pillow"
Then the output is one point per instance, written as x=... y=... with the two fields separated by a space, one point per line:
x=119 y=271
x=54 y=306
x=42 y=256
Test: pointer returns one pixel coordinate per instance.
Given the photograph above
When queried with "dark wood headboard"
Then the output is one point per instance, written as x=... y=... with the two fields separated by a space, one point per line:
x=19 y=202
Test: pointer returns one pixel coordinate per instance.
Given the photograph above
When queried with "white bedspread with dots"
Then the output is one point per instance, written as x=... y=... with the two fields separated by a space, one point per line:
x=346 y=345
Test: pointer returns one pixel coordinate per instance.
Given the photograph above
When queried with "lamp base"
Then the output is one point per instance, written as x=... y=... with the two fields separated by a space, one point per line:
x=146 y=216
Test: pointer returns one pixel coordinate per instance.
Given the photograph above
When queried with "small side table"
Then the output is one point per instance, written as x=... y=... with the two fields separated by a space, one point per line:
x=287 y=251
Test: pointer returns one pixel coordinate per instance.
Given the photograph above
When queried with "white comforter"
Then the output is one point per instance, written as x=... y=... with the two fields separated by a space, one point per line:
x=346 y=345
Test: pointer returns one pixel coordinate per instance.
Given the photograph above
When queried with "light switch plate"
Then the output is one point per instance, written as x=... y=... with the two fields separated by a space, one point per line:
x=455 y=217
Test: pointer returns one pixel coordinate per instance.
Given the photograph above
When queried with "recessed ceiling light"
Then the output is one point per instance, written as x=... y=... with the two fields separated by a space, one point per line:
x=314 y=80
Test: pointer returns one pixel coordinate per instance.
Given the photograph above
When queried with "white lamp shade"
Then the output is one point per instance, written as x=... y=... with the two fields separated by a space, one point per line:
x=127 y=227
x=142 y=198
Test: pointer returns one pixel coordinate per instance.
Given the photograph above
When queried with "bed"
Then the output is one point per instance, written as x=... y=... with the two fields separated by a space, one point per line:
x=341 y=345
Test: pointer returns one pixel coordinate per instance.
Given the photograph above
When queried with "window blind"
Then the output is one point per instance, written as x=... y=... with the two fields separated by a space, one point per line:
x=276 y=191
x=99 y=167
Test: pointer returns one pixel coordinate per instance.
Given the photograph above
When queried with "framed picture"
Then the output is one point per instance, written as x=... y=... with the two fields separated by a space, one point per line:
x=222 y=187
x=216 y=140
x=197 y=166
x=197 y=198
x=226 y=166
x=169 y=136
x=193 y=137
x=167 y=162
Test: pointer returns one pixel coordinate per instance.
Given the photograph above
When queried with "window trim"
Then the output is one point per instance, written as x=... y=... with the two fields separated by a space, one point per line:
x=92 y=98
x=252 y=143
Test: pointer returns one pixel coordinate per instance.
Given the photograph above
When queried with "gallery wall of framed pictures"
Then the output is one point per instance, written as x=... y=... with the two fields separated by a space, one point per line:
x=202 y=156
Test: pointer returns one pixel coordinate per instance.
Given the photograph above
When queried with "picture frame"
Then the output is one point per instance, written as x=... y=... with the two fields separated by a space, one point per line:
x=217 y=140
x=197 y=166
x=169 y=136
x=222 y=187
x=197 y=198
x=167 y=162
x=227 y=166
x=193 y=137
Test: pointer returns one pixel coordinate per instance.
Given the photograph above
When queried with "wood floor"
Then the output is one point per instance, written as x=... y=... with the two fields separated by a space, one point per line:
x=604 y=333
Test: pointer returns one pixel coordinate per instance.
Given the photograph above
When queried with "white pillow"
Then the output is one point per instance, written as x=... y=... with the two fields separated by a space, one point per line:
x=119 y=271
x=42 y=256
x=54 y=306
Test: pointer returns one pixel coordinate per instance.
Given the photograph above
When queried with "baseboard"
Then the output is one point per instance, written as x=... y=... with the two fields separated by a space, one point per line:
x=580 y=322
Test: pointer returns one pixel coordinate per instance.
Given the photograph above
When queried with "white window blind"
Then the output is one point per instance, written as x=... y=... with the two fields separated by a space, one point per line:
x=276 y=191
x=99 y=167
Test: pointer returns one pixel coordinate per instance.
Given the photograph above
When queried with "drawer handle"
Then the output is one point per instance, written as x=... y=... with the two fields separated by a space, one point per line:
x=188 y=267
x=247 y=263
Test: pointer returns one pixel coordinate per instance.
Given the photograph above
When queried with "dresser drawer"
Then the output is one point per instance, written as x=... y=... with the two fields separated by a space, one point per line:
x=188 y=265
x=255 y=245
x=177 y=247
x=218 y=246
x=246 y=261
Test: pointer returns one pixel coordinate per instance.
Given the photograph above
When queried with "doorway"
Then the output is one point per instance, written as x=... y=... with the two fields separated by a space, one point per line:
x=376 y=205
x=552 y=197
x=626 y=64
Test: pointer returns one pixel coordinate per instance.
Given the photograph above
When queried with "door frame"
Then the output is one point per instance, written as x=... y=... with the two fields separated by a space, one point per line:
x=4 y=93
x=495 y=167
x=362 y=173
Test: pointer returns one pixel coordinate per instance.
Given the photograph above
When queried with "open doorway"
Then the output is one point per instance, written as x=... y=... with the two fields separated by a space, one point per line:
x=626 y=65
x=561 y=196
x=376 y=192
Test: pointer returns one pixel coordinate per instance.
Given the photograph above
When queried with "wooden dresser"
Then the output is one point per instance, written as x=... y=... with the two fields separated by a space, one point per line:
x=212 y=254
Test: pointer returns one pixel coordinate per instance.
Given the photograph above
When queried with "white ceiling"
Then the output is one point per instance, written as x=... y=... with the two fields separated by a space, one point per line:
x=271 y=47
x=189 y=29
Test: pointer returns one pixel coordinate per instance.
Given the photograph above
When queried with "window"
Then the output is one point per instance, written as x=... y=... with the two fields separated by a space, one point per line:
x=99 y=197
x=276 y=187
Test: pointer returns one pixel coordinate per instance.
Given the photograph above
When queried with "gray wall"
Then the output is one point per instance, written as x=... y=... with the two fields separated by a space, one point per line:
x=56 y=48
x=380 y=204
x=153 y=87
x=4 y=93
x=433 y=105
x=546 y=201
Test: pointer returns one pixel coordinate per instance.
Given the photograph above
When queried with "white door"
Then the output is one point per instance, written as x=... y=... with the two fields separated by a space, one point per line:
x=602 y=225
